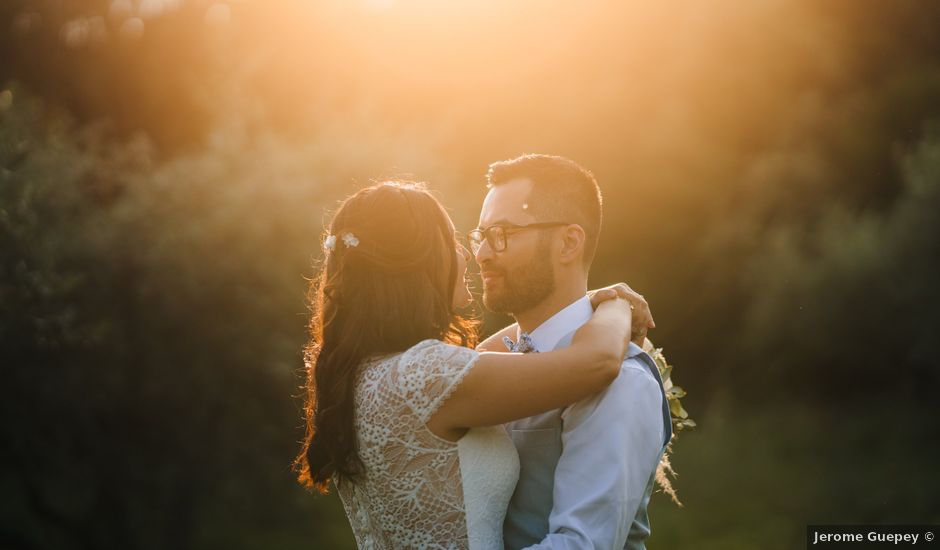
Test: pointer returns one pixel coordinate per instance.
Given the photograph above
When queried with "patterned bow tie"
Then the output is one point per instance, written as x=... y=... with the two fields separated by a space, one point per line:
x=524 y=345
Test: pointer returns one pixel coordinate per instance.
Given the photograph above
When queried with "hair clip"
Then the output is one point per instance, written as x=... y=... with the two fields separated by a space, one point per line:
x=350 y=240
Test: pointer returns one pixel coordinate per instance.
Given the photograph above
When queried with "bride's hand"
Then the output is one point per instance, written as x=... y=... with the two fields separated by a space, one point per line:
x=642 y=316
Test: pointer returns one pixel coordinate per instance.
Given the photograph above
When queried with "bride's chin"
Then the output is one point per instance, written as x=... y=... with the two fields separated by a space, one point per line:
x=464 y=300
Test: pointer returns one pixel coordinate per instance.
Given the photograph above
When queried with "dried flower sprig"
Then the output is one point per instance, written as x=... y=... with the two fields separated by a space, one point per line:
x=679 y=416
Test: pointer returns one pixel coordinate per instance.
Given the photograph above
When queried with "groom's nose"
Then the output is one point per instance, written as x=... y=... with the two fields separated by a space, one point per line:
x=483 y=253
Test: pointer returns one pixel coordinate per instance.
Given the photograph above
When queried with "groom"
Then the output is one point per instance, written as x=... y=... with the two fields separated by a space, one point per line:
x=587 y=469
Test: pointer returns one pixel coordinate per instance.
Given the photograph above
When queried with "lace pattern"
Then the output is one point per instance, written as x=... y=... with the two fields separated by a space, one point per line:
x=410 y=495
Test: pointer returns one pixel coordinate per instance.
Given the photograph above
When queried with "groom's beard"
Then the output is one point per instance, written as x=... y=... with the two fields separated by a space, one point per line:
x=522 y=288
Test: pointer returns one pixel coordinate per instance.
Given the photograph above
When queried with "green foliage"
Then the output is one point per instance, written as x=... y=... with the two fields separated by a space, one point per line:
x=680 y=417
x=859 y=290
x=147 y=397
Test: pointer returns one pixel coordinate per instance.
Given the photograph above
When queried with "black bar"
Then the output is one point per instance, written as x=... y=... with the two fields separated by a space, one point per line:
x=831 y=537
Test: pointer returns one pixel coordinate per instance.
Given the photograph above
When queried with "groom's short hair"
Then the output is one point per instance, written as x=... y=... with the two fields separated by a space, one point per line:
x=562 y=190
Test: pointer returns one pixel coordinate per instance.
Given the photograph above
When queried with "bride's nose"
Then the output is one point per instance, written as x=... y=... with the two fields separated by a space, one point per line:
x=464 y=252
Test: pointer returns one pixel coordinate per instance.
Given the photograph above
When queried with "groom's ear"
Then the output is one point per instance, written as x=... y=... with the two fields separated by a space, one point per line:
x=572 y=244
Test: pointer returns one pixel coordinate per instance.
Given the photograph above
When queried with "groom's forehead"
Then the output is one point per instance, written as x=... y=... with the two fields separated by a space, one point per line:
x=507 y=203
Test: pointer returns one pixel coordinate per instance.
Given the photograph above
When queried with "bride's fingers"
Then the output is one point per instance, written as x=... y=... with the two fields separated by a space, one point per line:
x=641 y=318
x=645 y=306
x=602 y=295
x=642 y=314
x=642 y=308
x=620 y=289
x=638 y=336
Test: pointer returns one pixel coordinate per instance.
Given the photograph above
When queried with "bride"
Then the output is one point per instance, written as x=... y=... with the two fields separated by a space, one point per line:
x=402 y=414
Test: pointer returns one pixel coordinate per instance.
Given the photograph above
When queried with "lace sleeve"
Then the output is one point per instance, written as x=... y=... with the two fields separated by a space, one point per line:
x=428 y=373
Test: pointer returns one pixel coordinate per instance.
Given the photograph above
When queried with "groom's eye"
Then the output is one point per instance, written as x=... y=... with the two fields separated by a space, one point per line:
x=498 y=237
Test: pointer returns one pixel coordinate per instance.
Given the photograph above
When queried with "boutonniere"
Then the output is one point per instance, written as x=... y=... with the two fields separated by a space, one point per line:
x=679 y=416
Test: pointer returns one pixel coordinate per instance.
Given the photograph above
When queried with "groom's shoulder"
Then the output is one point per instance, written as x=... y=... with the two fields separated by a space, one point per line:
x=634 y=384
x=635 y=365
x=635 y=387
x=635 y=377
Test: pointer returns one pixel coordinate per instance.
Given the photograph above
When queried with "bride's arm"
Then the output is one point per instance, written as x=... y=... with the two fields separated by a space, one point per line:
x=495 y=341
x=642 y=318
x=507 y=386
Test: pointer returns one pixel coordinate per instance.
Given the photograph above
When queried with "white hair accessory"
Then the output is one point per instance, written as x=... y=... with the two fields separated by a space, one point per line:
x=350 y=240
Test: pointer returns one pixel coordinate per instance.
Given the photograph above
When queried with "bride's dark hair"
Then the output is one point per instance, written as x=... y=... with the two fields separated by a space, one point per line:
x=391 y=290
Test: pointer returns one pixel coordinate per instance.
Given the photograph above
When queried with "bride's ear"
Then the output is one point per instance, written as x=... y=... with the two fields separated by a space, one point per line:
x=573 y=238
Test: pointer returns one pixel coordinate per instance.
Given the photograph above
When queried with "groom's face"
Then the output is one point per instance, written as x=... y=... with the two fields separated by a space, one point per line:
x=520 y=277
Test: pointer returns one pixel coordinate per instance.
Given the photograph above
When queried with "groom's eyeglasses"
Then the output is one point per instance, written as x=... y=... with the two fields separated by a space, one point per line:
x=496 y=235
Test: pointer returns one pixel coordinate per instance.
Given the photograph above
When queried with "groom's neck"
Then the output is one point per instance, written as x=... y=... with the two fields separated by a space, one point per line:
x=563 y=296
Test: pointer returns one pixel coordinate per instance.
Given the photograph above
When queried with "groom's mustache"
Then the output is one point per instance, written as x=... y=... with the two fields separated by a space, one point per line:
x=490 y=270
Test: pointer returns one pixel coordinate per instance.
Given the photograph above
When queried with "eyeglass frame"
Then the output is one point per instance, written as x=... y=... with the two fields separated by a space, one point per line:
x=476 y=236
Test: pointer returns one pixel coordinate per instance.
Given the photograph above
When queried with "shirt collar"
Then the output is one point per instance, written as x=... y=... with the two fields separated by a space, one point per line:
x=633 y=350
x=547 y=335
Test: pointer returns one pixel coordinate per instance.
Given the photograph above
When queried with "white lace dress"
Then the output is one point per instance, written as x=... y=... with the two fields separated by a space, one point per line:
x=419 y=490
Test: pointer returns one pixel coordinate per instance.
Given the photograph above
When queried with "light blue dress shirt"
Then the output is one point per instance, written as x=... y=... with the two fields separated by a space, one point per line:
x=587 y=470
